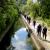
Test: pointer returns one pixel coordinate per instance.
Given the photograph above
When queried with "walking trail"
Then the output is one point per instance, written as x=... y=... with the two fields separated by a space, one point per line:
x=46 y=42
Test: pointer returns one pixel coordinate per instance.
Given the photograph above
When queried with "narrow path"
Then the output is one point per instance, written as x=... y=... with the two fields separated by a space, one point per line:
x=46 y=43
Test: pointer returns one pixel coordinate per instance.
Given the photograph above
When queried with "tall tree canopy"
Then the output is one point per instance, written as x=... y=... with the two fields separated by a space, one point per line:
x=45 y=8
x=8 y=12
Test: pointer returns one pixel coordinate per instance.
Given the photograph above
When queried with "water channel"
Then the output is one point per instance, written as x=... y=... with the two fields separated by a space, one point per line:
x=20 y=40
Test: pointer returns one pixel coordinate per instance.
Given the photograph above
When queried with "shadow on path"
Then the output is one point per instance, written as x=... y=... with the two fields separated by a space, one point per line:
x=47 y=41
x=44 y=40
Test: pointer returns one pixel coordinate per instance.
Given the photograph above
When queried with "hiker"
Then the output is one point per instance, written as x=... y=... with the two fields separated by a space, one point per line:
x=28 y=19
x=25 y=16
x=29 y=32
x=39 y=28
x=44 y=32
x=34 y=23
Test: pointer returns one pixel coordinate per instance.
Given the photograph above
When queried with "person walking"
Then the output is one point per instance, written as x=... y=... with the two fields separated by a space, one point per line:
x=34 y=23
x=29 y=32
x=28 y=19
x=44 y=32
x=39 y=29
x=25 y=16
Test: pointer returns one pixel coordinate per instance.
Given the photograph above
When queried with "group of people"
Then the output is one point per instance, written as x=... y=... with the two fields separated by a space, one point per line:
x=28 y=18
x=43 y=30
x=40 y=29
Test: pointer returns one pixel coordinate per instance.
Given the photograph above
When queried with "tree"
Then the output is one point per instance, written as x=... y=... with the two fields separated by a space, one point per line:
x=8 y=12
x=45 y=8
x=31 y=9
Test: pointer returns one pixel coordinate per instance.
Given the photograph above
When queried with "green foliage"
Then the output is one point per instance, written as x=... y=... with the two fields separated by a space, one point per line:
x=31 y=8
x=41 y=8
x=19 y=24
x=45 y=9
x=8 y=13
x=9 y=10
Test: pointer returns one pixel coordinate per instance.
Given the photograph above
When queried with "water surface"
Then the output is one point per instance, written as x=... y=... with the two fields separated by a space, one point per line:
x=19 y=40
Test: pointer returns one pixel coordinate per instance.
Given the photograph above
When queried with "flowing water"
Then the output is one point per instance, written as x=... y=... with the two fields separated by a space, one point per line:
x=19 y=41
